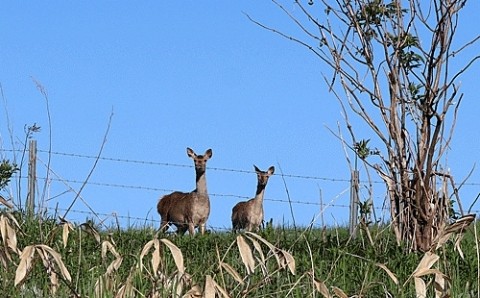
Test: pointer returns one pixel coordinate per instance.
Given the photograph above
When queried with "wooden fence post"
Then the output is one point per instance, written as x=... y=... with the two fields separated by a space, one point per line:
x=354 y=203
x=32 y=177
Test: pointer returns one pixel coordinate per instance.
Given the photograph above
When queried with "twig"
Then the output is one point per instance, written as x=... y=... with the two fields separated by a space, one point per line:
x=10 y=131
x=65 y=182
x=473 y=203
x=7 y=116
x=93 y=167
x=43 y=91
x=457 y=189
x=288 y=196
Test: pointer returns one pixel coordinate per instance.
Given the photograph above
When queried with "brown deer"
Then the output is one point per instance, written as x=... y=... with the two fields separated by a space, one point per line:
x=188 y=210
x=249 y=215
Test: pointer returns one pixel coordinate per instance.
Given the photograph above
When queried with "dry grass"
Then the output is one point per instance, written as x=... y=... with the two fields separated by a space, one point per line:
x=80 y=261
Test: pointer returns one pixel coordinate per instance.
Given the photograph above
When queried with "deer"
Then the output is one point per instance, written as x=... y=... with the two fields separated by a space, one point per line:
x=188 y=210
x=249 y=215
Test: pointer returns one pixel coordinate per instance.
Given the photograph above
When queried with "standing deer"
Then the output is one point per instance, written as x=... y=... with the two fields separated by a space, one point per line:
x=188 y=210
x=249 y=215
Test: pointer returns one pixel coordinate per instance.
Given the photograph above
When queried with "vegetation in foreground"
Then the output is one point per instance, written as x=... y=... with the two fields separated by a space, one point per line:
x=46 y=257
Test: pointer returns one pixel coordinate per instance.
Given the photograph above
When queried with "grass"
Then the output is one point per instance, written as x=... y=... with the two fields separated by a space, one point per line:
x=68 y=260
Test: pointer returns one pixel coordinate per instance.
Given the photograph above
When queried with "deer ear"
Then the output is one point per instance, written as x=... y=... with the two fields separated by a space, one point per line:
x=256 y=169
x=208 y=153
x=271 y=170
x=190 y=153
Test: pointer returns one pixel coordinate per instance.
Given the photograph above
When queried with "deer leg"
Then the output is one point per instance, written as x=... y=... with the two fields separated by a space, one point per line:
x=164 y=226
x=191 y=228
x=201 y=228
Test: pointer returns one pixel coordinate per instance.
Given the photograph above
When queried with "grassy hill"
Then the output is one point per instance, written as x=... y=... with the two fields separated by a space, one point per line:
x=48 y=258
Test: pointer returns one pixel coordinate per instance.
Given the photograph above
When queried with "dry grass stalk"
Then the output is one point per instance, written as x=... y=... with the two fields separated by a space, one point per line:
x=156 y=255
x=67 y=227
x=46 y=252
x=441 y=286
x=177 y=255
x=127 y=289
x=101 y=286
x=420 y=288
x=49 y=258
x=87 y=227
x=246 y=254
x=456 y=229
x=339 y=292
x=4 y=258
x=51 y=273
x=320 y=286
x=178 y=279
x=284 y=258
x=425 y=265
x=114 y=265
x=25 y=265
x=107 y=246
x=194 y=292
x=4 y=202
x=233 y=273
x=107 y=283
x=8 y=233
x=156 y=259
x=390 y=273
x=287 y=260
x=209 y=291
x=252 y=255
x=212 y=288
x=425 y=268
x=258 y=249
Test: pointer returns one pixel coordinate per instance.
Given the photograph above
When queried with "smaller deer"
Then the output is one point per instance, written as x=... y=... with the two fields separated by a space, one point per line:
x=249 y=215
x=188 y=210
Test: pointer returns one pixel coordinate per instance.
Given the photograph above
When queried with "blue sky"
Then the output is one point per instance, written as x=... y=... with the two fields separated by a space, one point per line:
x=177 y=75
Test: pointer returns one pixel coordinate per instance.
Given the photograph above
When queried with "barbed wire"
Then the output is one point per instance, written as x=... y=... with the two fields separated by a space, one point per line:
x=151 y=220
x=167 y=164
x=172 y=190
x=210 y=194
x=116 y=216
x=138 y=187
x=156 y=189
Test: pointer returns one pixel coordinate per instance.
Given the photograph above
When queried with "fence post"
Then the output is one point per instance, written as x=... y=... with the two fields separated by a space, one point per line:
x=32 y=177
x=354 y=203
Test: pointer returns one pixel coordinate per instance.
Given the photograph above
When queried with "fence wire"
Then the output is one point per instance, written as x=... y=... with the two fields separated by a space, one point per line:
x=167 y=164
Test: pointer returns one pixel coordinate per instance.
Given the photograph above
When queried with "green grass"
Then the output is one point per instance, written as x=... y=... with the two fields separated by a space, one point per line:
x=326 y=256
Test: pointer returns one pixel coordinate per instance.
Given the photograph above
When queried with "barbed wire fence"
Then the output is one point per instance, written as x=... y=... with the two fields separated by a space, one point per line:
x=104 y=216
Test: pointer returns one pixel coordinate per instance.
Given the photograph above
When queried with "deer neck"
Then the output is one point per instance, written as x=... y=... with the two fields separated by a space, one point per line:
x=259 y=193
x=201 y=183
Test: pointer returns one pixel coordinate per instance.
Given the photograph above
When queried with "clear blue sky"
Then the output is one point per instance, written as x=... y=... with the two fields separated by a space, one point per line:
x=186 y=74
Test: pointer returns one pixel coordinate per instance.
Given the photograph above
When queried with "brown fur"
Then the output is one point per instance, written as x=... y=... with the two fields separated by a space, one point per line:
x=249 y=215
x=188 y=210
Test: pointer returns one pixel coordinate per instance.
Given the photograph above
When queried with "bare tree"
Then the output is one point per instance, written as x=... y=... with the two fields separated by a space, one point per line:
x=392 y=66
